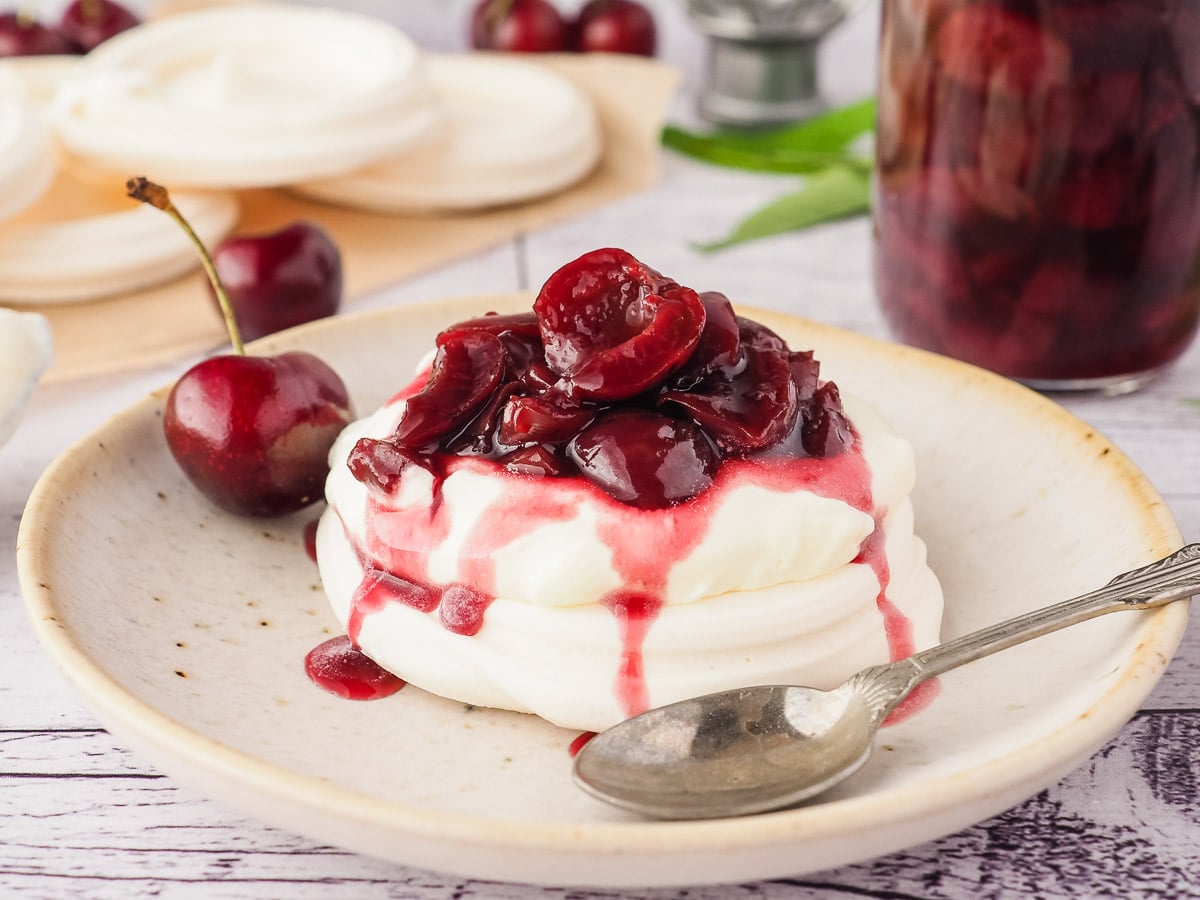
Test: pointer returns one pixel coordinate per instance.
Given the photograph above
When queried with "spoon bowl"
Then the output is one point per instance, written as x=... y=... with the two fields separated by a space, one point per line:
x=730 y=753
x=755 y=749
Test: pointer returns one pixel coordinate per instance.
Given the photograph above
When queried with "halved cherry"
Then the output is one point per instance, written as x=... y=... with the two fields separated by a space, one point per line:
x=379 y=464
x=523 y=323
x=645 y=459
x=719 y=348
x=613 y=327
x=466 y=371
x=806 y=374
x=747 y=412
x=537 y=420
x=826 y=430
x=537 y=461
x=478 y=438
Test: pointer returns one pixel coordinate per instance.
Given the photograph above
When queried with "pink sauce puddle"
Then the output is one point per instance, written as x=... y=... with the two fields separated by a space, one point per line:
x=579 y=743
x=340 y=668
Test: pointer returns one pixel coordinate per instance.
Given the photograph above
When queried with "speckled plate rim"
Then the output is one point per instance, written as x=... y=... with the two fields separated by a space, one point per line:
x=648 y=853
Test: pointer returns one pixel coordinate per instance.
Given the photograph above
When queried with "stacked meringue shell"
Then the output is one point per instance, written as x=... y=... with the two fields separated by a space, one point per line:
x=339 y=107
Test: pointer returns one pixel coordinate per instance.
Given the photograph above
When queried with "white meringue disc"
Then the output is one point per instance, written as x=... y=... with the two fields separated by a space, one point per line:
x=246 y=96
x=26 y=350
x=37 y=78
x=26 y=155
x=515 y=131
x=84 y=242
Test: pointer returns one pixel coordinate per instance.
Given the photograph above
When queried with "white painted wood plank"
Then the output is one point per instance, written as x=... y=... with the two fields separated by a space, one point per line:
x=130 y=834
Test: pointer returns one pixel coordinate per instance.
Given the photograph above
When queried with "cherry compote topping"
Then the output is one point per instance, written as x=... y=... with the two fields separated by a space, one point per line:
x=637 y=389
x=620 y=375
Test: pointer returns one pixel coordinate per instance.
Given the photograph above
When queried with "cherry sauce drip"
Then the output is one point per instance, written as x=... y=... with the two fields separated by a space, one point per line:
x=340 y=668
x=580 y=741
x=896 y=626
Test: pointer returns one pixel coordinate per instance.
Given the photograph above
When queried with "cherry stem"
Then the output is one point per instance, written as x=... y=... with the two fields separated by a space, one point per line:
x=90 y=10
x=140 y=188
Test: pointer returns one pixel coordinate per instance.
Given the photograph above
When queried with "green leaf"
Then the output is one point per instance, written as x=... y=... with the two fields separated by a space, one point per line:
x=803 y=148
x=835 y=193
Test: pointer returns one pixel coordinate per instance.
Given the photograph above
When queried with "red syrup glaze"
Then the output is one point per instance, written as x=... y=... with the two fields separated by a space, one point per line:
x=579 y=743
x=634 y=613
x=646 y=544
x=378 y=588
x=338 y=666
x=896 y=626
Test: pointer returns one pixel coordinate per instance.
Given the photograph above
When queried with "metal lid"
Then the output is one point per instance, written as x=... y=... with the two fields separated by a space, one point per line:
x=762 y=57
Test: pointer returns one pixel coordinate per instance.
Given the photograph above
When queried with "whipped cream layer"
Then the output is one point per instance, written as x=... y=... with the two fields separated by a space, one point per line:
x=560 y=601
x=513 y=131
x=246 y=96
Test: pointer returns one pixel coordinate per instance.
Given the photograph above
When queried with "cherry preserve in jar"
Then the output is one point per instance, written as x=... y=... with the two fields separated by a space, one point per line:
x=1037 y=206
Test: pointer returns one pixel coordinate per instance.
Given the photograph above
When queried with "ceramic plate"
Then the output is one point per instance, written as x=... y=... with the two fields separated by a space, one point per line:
x=186 y=629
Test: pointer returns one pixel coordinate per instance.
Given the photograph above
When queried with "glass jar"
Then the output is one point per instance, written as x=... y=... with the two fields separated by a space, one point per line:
x=1037 y=200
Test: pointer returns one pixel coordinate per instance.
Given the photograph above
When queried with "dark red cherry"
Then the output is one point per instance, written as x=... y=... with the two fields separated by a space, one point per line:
x=614 y=26
x=253 y=433
x=720 y=345
x=523 y=26
x=536 y=420
x=537 y=461
x=23 y=36
x=748 y=412
x=613 y=327
x=478 y=438
x=523 y=323
x=89 y=23
x=280 y=279
x=466 y=371
x=806 y=374
x=644 y=458
x=379 y=464
x=826 y=430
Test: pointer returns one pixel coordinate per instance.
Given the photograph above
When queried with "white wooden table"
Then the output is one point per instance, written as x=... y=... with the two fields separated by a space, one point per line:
x=82 y=817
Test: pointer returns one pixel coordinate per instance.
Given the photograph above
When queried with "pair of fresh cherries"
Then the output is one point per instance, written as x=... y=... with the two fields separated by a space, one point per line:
x=85 y=24
x=253 y=432
x=536 y=26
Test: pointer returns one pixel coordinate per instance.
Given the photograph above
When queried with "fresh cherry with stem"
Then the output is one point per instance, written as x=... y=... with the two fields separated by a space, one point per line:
x=252 y=433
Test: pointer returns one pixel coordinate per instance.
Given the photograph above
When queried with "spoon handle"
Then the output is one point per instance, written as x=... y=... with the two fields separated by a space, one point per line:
x=1171 y=578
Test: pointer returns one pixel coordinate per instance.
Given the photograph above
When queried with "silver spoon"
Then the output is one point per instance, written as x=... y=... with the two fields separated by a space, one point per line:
x=761 y=748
